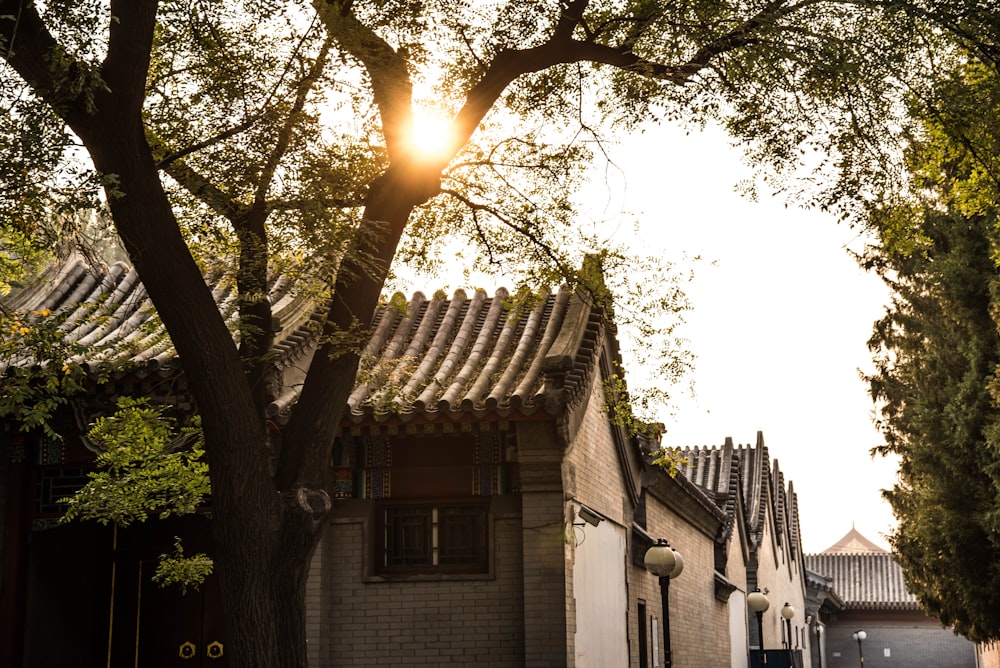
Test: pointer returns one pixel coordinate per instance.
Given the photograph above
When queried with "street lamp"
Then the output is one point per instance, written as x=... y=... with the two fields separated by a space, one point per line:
x=860 y=635
x=819 y=643
x=787 y=612
x=758 y=603
x=664 y=562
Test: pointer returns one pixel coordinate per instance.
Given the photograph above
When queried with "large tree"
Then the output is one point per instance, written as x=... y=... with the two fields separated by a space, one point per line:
x=197 y=112
x=938 y=347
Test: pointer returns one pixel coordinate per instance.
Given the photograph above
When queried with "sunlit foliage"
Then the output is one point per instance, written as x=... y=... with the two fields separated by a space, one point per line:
x=276 y=137
x=937 y=350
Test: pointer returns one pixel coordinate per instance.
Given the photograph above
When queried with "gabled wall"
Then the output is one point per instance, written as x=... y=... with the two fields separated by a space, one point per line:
x=778 y=568
x=736 y=573
x=759 y=543
x=679 y=512
x=597 y=600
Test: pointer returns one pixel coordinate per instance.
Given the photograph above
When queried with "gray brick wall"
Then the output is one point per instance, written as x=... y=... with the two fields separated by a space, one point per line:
x=548 y=638
x=699 y=623
x=593 y=472
x=909 y=646
x=447 y=621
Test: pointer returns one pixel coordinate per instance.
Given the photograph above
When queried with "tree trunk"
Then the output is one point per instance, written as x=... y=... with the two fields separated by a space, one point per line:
x=264 y=540
x=266 y=529
x=264 y=563
x=266 y=525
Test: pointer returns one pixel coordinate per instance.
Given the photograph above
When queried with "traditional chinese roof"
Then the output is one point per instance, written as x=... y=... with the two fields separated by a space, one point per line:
x=729 y=472
x=854 y=543
x=429 y=357
x=109 y=313
x=786 y=510
x=716 y=471
x=461 y=354
x=864 y=581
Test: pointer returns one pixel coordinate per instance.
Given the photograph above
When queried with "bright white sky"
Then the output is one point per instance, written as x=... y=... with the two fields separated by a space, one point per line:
x=781 y=318
x=779 y=327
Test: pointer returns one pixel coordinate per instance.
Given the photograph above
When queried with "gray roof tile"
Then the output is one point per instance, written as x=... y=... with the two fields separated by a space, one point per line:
x=865 y=581
x=426 y=357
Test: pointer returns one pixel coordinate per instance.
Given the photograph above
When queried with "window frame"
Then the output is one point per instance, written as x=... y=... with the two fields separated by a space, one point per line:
x=433 y=513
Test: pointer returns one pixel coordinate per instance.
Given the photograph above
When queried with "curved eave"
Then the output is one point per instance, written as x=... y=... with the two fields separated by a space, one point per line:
x=108 y=313
x=479 y=357
x=907 y=606
x=437 y=359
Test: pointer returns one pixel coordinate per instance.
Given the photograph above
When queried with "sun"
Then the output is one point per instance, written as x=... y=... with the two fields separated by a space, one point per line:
x=432 y=133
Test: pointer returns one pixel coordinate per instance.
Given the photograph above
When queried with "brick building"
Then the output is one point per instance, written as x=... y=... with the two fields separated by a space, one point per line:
x=761 y=543
x=487 y=511
x=858 y=586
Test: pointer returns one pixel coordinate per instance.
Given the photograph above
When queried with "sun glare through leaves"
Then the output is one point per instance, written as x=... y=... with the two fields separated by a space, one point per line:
x=432 y=134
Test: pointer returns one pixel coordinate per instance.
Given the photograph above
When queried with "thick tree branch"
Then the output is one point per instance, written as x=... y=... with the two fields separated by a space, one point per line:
x=130 y=43
x=390 y=78
x=561 y=48
x=571 y=17
x=200 y=187
x=30 y=49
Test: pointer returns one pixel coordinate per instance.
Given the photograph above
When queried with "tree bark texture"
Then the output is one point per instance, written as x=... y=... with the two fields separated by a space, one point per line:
x=266 y=523
x=264 y=536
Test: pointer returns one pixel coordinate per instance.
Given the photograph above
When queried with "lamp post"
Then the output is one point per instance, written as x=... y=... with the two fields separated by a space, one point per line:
x=664 y=562
x=860 y=635
x=787 y=612
x=819 y=644
x=758 y=603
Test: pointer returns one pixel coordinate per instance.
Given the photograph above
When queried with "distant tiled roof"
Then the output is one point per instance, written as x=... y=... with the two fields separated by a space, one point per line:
x=716 y=471
x=854 y=543
x=824 y=585
x=864 y=581
x=428 y=357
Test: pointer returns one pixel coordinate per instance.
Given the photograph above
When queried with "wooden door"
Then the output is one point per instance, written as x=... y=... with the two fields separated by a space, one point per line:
x=179 y=629
x=165 y=627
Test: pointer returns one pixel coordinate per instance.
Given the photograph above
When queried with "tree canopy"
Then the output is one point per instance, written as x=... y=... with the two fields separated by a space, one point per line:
x=937 y=351
x=278 y=136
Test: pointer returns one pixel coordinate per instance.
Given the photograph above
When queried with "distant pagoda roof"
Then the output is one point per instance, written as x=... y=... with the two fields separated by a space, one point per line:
x=863 y=575
x=854 y=543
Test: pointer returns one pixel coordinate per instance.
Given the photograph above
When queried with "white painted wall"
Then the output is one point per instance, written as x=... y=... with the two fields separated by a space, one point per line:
x=601 y=596
x=738 y=629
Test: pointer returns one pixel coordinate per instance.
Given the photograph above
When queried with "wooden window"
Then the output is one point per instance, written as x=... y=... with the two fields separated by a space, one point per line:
x=433 y=537
x=54 y=484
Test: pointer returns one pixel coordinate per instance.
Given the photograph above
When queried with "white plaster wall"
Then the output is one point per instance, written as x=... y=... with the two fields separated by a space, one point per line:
x=601 y=596
x=738 y=630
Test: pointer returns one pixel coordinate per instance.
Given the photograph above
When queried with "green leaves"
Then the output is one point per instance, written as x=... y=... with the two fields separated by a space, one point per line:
x=176 y=569
x=38 y=367
x=937 y=351
x=149 y=467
